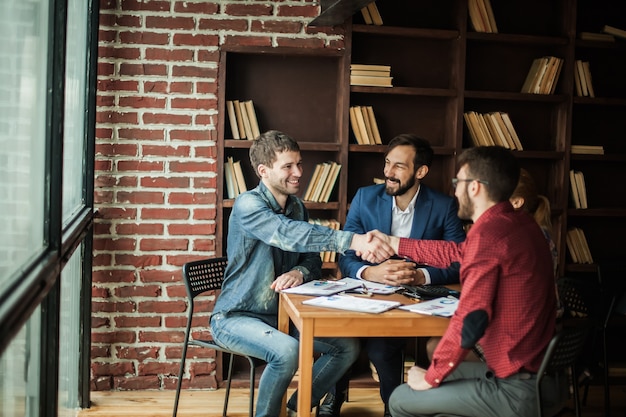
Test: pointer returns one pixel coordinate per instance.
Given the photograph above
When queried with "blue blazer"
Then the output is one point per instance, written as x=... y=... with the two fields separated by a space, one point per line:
x=435 y=219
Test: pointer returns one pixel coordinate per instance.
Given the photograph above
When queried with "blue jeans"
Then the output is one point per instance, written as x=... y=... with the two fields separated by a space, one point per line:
x=252 y=336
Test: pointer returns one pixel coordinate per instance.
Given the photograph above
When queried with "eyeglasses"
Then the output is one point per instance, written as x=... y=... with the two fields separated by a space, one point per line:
x=455 y=181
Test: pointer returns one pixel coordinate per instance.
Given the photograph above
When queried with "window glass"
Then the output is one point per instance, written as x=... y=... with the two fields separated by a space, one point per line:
x=24 y=51
x=75 y=97
x=69 y=335
x=19 y=371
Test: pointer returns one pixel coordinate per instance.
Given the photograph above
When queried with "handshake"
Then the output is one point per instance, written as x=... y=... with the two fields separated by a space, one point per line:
x=375 y=246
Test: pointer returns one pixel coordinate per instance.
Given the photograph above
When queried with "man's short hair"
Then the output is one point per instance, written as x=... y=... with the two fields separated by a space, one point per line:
x=423 y=152
x=264 y=148
x=495 y=165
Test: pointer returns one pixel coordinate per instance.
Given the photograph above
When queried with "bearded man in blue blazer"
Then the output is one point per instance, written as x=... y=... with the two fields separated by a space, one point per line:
x=402 y=207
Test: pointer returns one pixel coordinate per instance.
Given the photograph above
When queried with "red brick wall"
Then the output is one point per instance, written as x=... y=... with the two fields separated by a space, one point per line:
x=156 y=172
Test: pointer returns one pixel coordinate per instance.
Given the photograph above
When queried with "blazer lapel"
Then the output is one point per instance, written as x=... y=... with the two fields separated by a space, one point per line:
x=423 y=207
x=383 y=213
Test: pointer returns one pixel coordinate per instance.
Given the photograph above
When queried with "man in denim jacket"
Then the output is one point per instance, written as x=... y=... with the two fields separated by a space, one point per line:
x=271 y=246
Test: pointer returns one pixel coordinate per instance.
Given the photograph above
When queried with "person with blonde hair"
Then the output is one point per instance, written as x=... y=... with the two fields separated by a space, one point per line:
x=526 y=197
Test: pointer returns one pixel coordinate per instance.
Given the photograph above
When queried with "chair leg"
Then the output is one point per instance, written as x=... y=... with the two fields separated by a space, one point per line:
x=230 y=374
x=576 y=394
x=180 y=378
x=252 y=375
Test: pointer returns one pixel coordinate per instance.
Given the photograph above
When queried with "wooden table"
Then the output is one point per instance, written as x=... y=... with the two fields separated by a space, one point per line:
x=326 y=322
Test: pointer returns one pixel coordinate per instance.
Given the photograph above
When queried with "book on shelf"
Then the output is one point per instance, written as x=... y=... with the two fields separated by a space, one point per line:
x=232 y=118
x=612 y=30
x=254 y=124
x=493 y=128
x=354 y=124
x=582 y=79
x=578 y=246
x=578 y=189
x=312 y=183
x=242 y=118
x=587 y=72
x=322 y=182
x=240 y=126
x=239 y=178
x=364 y=125
x=371 y=81
x=367 y=18
x=509 y=125
x=231 y=184
x=370 y=113
x=330 y=183
x=587 y=149
x=360 y=121
x=598 y=37
x=371 y=67
x=374 y=14
x=235 y=182
x=371 y=73
x=543 y=75
x=481 y=16
x=551 y=77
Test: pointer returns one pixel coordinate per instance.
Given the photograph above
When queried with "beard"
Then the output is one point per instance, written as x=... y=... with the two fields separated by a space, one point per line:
x=466 y=209
x=402 y=188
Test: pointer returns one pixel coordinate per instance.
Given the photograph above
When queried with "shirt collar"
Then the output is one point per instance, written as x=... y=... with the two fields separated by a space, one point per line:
x=409 y=208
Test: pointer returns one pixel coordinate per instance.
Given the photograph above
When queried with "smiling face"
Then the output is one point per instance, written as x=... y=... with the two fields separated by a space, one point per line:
x=400 y=172
x=283 y=177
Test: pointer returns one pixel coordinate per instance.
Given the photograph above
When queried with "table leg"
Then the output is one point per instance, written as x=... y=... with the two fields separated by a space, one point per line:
x=283 y=326
x=305 y=363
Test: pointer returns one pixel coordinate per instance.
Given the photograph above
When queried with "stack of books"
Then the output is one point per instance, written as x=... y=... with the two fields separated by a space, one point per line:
x=235 y=182
x=242 y=118
x=582 y=79
x=579 y=190
x=578 y=247
x=327 y=256
x=371 y=15
x=481 y=16
x=587 y=149
x=543 y=75
x=322 y=182
x=489 y=129
x=371 y=75
x=364 y=125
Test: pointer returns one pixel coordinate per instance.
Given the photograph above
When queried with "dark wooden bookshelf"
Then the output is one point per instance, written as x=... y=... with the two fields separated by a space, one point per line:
x=441 y=68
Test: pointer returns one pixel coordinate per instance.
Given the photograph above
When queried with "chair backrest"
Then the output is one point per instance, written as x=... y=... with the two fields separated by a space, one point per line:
x=581 y=297
x=204 y=275
x=565 y=346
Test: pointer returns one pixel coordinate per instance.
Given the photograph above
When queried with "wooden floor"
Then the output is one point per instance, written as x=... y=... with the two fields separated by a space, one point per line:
x=364 y=402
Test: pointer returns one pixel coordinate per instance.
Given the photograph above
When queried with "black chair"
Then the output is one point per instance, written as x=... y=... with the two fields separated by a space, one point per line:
x=202 y=276
x=560 y=357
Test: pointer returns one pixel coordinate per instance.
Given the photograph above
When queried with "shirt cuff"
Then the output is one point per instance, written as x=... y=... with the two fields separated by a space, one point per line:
x=360 y=272
x=426 y=272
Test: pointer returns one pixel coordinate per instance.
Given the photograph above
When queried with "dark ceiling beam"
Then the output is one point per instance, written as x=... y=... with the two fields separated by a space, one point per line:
x=335 y=12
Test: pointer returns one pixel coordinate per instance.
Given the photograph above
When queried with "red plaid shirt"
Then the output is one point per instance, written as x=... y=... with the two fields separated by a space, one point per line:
x=506 y=270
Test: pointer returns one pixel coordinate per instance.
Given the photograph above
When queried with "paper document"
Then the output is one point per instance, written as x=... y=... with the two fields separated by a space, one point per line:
x=346 y=302
x=442 y=306
x=373 y=287
x=324 y=287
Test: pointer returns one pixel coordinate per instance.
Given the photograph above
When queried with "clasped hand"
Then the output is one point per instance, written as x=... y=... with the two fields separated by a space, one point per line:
x=373 y=246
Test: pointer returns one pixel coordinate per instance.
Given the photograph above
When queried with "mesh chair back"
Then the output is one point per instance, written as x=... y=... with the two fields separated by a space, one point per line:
x=204 y=275
x=580 y=297
x=565 y=346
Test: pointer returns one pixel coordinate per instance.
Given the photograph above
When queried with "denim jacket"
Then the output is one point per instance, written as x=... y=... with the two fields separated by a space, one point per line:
x=263 y=243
